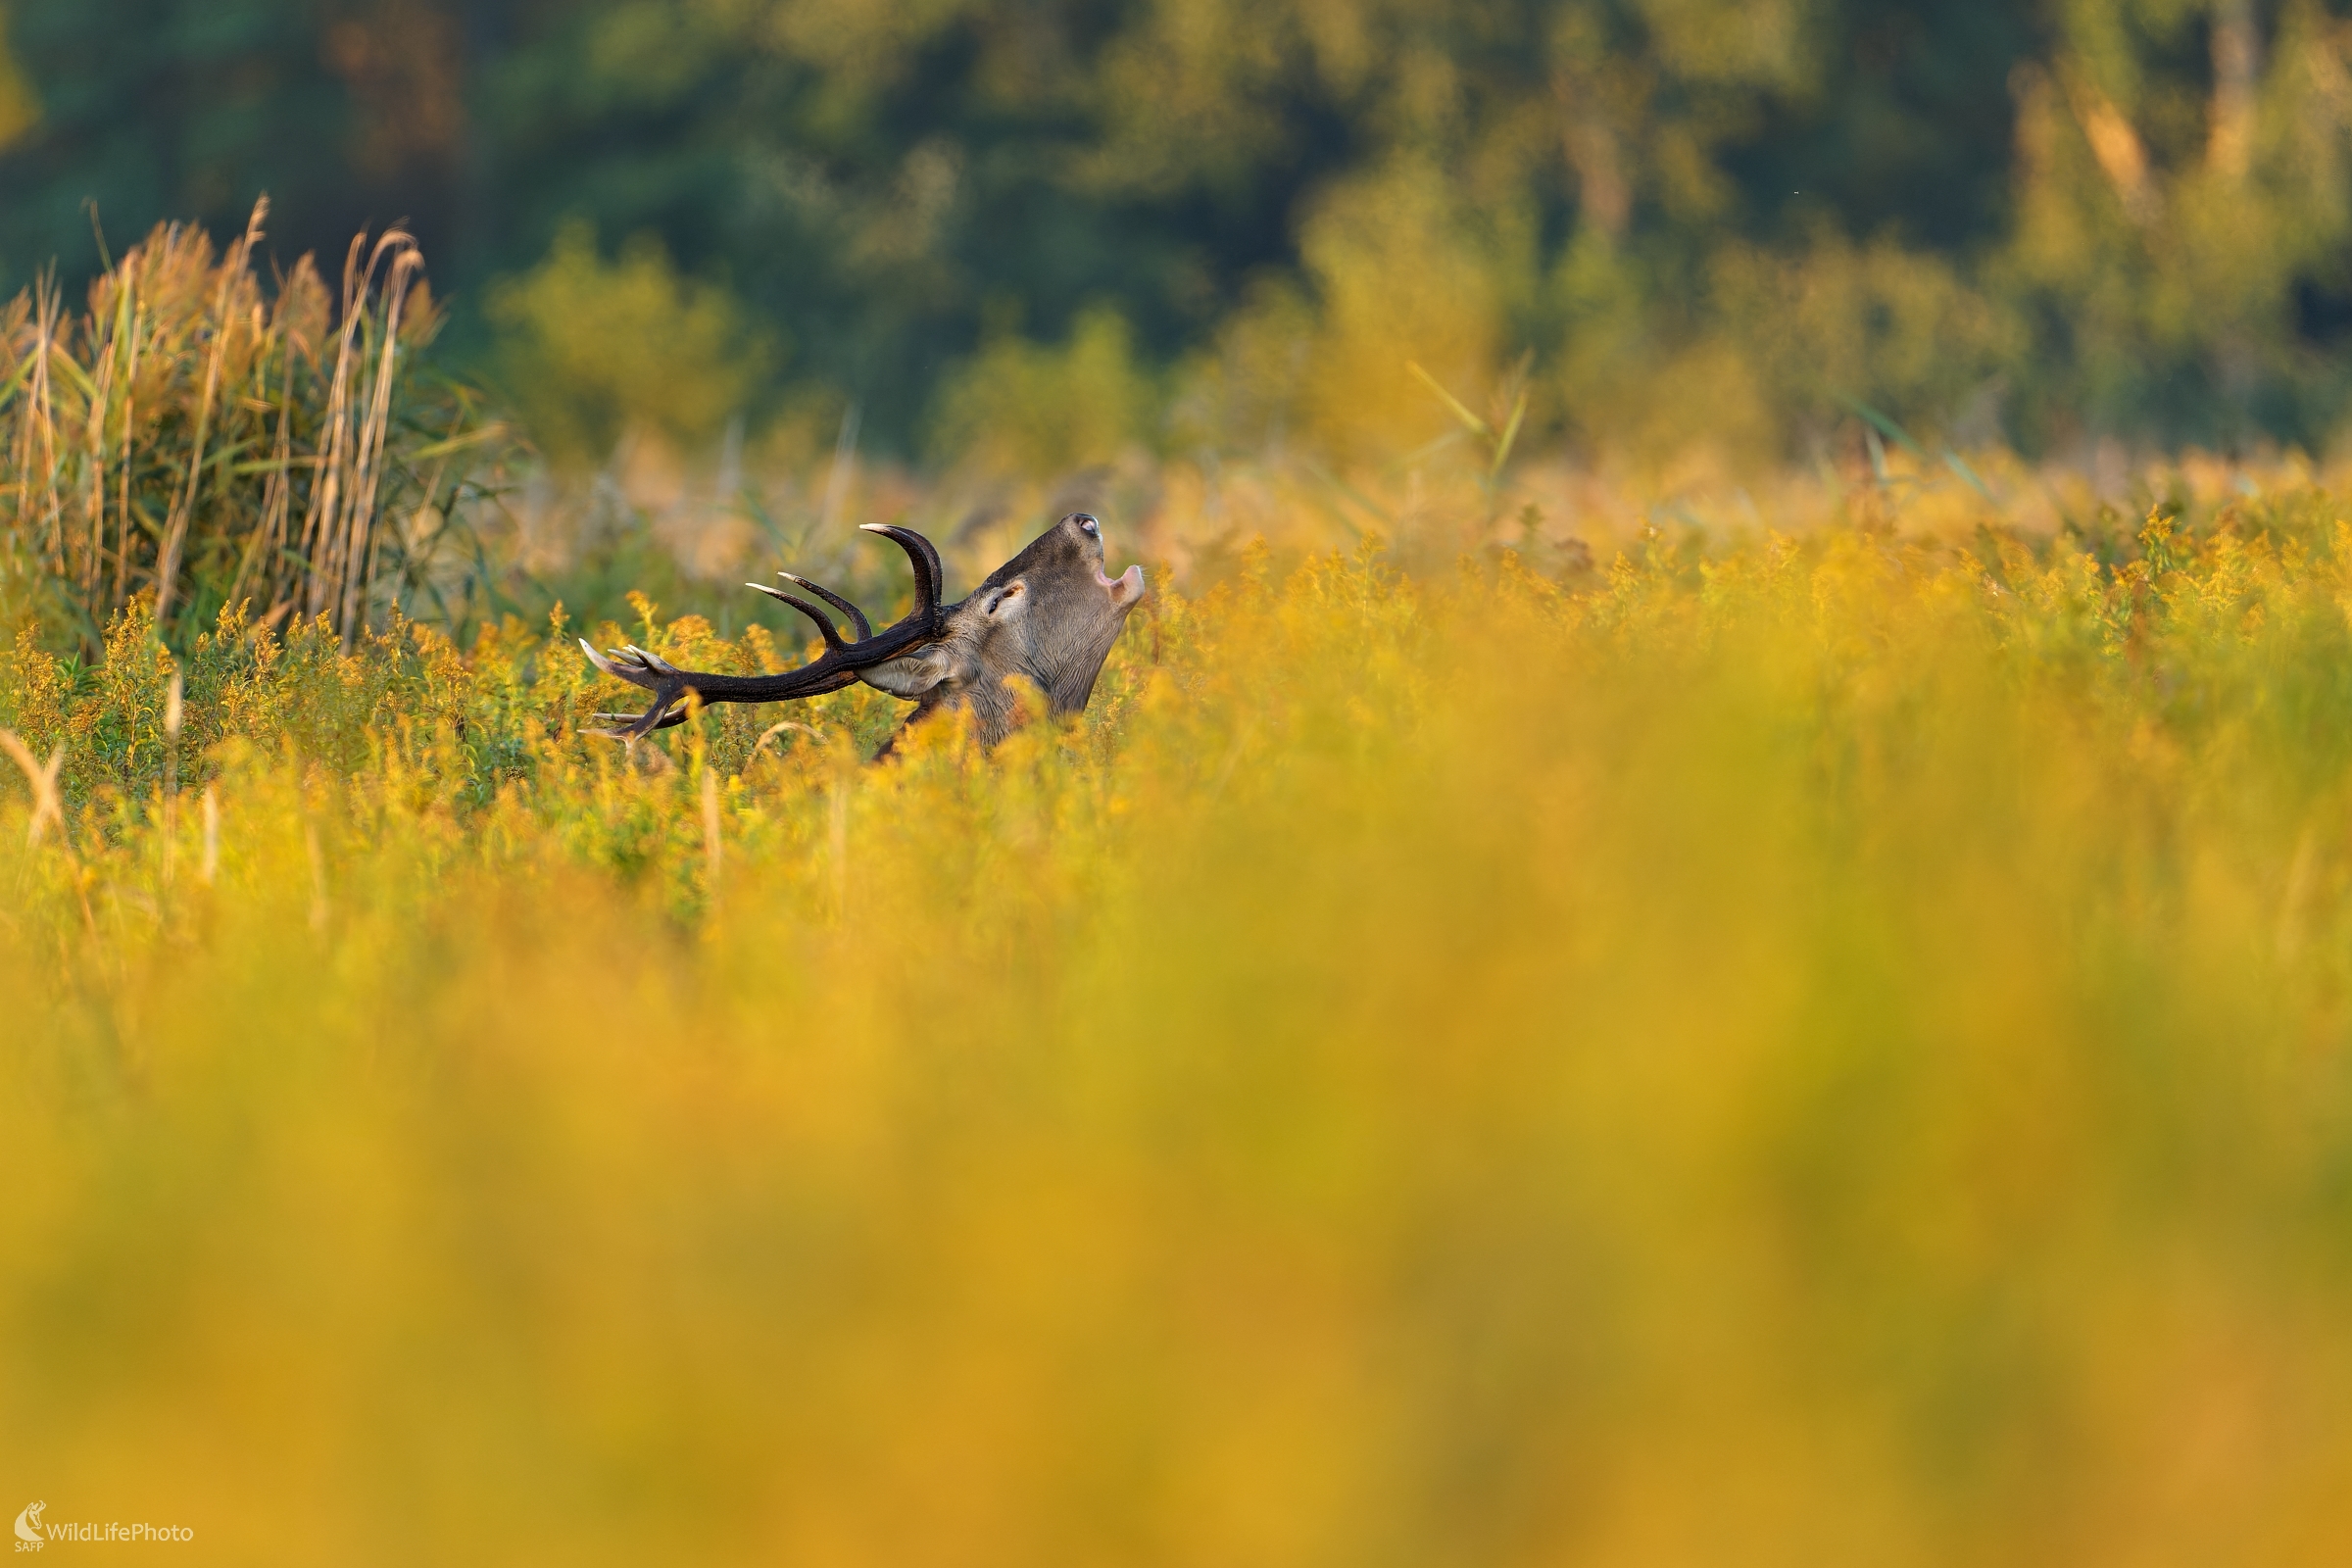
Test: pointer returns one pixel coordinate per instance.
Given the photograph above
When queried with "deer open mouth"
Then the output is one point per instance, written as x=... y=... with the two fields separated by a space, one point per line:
x=1124 y=589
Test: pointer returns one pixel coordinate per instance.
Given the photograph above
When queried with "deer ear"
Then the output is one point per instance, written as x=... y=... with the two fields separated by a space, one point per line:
x=955 y=659
x=910 y=675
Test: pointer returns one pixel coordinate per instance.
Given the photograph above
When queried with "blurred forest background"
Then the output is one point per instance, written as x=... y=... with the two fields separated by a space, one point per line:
x=1032 y=234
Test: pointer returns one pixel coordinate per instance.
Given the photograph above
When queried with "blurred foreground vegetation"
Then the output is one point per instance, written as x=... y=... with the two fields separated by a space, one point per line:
x=1828 y=1046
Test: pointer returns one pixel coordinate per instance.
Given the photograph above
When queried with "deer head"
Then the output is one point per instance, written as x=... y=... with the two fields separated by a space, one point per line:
x=1049 y=614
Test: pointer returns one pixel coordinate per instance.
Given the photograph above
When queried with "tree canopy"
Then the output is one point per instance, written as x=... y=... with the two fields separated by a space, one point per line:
x=2010 y=218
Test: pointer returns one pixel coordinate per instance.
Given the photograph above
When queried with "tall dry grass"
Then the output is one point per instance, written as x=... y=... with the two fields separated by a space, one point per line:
x=197 y=439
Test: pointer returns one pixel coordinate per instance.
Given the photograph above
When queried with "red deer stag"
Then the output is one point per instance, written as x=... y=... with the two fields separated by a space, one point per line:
x=1049 y=613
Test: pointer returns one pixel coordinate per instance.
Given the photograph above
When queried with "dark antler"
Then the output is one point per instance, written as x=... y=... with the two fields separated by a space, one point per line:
x=838 y=667
x=857 y=616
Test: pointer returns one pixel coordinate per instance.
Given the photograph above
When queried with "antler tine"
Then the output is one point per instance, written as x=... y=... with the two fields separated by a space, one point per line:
x=929 y=578
x=856 y=616
x=830 y=632
x=631 y=664
x=636 y=726
x=670 y=718
x=652 y=661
